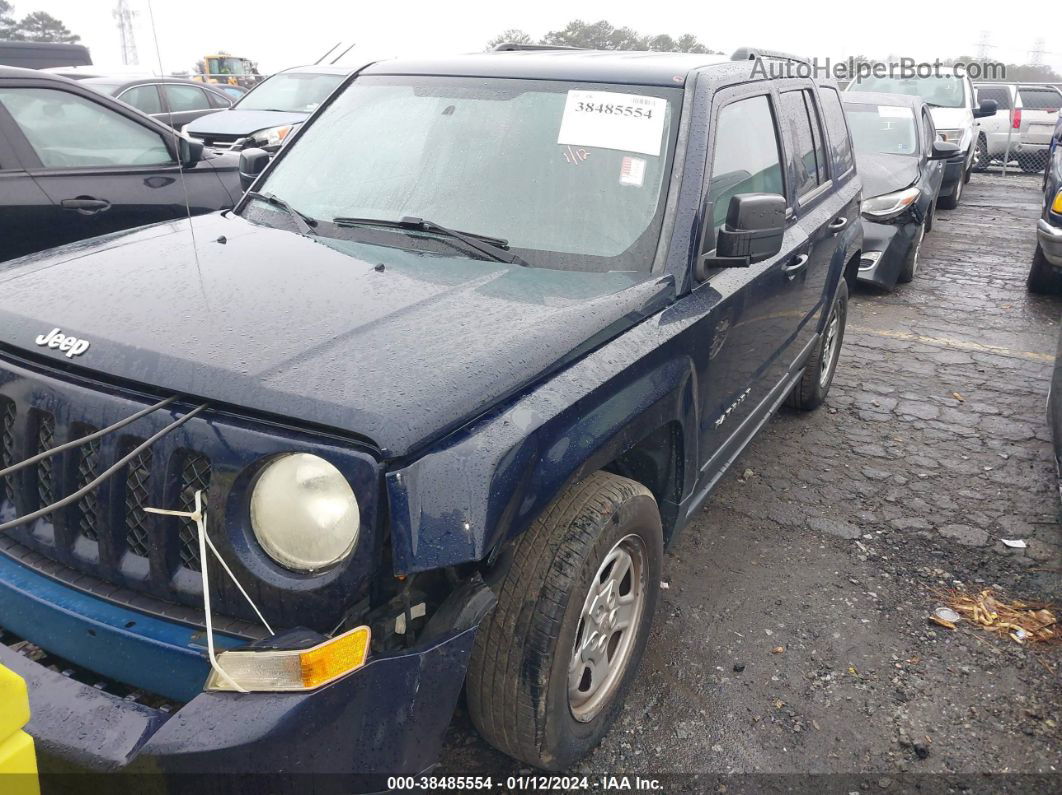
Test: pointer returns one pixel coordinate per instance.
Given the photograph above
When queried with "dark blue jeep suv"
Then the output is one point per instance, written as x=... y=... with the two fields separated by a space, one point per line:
x=421 y=413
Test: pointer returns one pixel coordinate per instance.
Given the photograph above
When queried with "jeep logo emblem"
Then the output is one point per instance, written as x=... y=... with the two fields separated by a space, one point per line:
x=71 y=346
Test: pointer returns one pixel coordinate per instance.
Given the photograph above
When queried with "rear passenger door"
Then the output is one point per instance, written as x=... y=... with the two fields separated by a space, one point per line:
x=748 y=338
x=816 y=210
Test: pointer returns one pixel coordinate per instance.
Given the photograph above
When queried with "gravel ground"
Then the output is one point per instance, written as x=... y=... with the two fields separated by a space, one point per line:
x=831 y=535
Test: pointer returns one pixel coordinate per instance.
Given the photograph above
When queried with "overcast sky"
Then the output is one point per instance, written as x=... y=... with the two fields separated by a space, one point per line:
x=300 y=32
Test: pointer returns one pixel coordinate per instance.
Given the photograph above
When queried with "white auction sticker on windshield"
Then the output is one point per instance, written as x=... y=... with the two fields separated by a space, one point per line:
x=608 y=120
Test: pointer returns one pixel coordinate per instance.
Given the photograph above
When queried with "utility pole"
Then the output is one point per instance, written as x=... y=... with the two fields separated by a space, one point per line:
x=1037 y=53
x=124 y=15
x=984 y=44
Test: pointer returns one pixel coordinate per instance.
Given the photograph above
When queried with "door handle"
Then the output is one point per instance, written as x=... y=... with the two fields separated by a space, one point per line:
x=86 y=205
x=838 y=224
x=796 y=266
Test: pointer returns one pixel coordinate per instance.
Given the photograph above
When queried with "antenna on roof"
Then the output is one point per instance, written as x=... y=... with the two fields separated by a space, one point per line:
x=327 y=53
x=348 y=49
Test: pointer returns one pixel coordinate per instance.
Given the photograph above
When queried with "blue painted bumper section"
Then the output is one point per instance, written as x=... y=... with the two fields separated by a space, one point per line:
x=134 y=648
x=388 y=718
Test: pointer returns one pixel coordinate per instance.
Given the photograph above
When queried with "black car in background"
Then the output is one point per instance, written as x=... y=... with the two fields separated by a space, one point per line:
x=902 y=165
x=1045 y=276
x=169 y=99
x=270 y=111
x=76 y=164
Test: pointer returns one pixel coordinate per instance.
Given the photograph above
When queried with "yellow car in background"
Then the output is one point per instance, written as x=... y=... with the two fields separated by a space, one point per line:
x=18 y=762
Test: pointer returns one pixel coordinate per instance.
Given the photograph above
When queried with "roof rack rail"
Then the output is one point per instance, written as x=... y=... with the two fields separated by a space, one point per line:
x=752 y=53
x=511 y=46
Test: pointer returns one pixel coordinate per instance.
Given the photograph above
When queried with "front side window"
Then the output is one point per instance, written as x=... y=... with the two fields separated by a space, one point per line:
x=143 y=98
x=882 y=129
x=291 y=92
x=69 y=131
x=572 y=176
x=943 y=91
x=746 y=157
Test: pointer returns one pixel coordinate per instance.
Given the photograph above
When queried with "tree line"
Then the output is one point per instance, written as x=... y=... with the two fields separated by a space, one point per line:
x=37 y=26
x=601 y=35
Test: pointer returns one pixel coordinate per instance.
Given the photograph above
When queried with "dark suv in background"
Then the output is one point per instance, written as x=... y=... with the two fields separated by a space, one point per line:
x=471 y=351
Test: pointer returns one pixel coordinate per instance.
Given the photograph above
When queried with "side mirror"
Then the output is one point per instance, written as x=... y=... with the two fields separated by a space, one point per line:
x=252 y=163
x=988 y=107
x=189 y=152
x=755 y=224
x=942 y=150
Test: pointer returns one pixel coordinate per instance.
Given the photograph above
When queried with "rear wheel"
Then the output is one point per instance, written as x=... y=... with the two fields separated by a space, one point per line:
x=1043 y=277
x=552 y=663
x=910 y=262
x=812 y=388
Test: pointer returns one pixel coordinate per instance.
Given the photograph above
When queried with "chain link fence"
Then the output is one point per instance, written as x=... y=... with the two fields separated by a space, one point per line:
x=1018 y=138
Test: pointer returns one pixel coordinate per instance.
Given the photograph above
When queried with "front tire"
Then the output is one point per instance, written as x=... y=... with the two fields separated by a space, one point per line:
x=952 y=201
x=910 y=262
x=1044 y=278
x=812 y=388
x=981 y=156
x=552 y=663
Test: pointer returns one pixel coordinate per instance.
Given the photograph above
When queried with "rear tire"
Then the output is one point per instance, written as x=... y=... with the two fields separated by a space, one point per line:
x=552 y=664
x=1044 y=278
x=812 y=388
x=910 y=262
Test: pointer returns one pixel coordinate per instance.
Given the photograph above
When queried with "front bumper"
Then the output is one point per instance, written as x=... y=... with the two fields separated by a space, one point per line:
x=387 y=718
x=954 y=171
x=1050 y=239
x=891 y=243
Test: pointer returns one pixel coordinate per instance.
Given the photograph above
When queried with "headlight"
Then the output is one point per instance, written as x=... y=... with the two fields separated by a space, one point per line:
x=304 y=513
x=889 y=205
x=274 y=136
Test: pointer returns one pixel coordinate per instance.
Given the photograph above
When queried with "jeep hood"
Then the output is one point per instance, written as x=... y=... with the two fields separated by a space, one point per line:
x=242 y=122
x=312 y=329
x=885 y=173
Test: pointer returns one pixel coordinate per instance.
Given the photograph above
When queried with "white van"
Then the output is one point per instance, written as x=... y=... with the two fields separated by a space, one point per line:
x=952 y=102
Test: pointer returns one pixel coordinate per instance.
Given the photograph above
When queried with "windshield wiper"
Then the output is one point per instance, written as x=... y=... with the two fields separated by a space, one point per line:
x=494 y=248
x=303 y=223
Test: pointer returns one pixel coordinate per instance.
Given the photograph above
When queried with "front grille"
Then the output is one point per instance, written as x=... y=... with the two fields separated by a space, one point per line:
x=7 y=447
x=195 y=476
x=110 y=524
x=46 y=467
x=137 y=498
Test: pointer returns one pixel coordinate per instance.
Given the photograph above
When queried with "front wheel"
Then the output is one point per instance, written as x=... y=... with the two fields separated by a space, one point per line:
x=552 y=663
x=910 y=262
x=1044 y=278
x=981 y=156
x=952 y=201
x=812 y=388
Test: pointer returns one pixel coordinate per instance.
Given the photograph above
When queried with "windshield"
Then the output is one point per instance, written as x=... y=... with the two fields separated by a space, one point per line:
x=292 y=91
x=882 y=129
x=571 y=176
x=229 y=66
x=944 y=91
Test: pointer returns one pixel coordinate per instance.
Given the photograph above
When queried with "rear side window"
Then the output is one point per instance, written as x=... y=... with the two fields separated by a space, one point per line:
x=69 y=131
x=143 y=98
x=837 y=128
x=1000 y=94
x=747 y=157
x=182 y=98
x=1040 y=99
x=805 y=140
